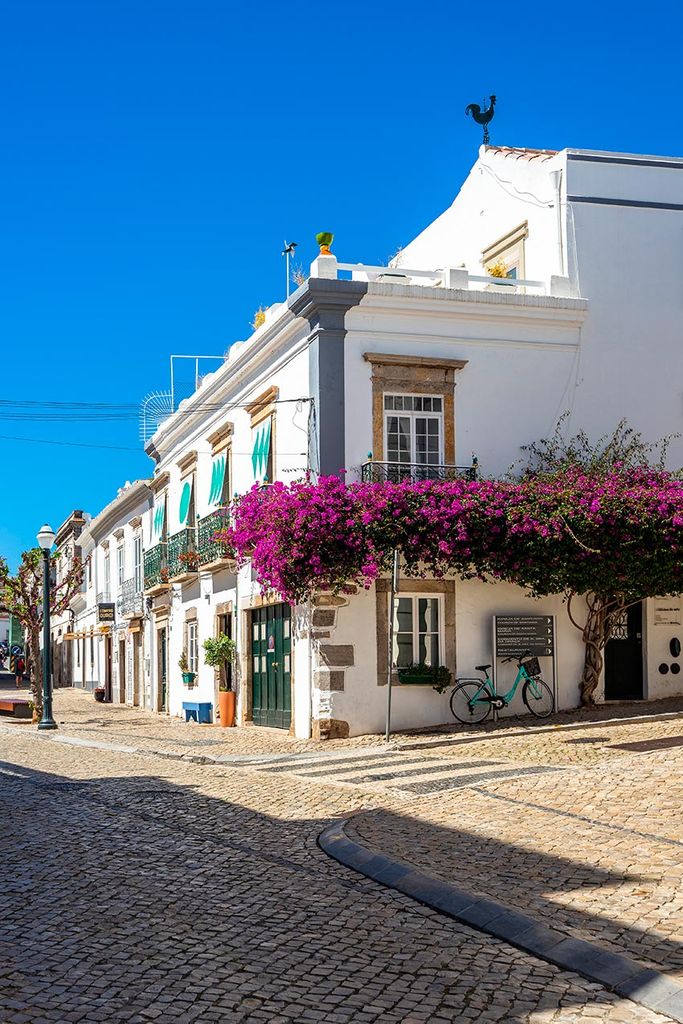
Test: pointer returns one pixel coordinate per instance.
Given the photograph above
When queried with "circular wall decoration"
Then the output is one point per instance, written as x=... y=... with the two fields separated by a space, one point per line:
x=675 y=668
x=663 y=668
x=675 y=646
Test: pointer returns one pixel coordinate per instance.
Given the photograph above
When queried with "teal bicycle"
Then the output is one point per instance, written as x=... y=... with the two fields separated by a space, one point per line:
x=473 y=699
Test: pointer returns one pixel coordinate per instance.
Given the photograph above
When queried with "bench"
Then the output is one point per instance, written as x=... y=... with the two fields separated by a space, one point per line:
x=198 y=711
x=18 y=707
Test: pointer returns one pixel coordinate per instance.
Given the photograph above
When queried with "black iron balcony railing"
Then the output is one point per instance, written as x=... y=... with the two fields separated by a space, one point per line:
x=209 y=548
x=397 y=472
x=156 y=566
x=182 y=552
x=130 y=601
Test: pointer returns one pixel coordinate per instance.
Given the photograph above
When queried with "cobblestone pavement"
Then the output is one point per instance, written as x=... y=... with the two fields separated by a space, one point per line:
x=570 y=737
x=597 y=852
x=139 y=889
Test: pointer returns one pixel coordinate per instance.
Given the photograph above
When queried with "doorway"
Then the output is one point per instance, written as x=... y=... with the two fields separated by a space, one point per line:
x=271 y=647
x=624 y=656
x=162 y=666
x=107 y=670
x=137 y=658
x=122 y=671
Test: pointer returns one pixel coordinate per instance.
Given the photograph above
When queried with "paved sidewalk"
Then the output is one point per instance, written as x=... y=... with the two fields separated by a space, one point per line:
x=145 y=889
x=596 y=852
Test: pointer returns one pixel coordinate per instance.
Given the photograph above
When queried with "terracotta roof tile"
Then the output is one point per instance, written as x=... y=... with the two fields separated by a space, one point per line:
x=516 y=153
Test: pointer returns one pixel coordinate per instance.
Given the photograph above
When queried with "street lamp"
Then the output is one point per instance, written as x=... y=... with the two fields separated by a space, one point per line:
x=46 y=538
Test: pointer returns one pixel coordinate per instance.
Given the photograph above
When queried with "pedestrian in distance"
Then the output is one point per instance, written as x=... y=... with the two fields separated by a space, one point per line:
x=19 y=669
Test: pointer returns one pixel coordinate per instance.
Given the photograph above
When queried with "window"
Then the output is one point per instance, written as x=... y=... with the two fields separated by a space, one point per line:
x=262 y=451
x=107 y=574
x=413 y=427
x=120 y=563
x=192 y=647
x=137 y=562
x=92 y=651
x=89 y=570
x=507 y=254
x=417 y=630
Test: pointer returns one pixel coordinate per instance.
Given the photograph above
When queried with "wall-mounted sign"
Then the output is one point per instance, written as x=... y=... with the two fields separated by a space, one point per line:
x=515 y=634
x=667 y=613
x=105 y=612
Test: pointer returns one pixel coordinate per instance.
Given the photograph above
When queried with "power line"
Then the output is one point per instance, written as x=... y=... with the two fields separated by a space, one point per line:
x=119 y=448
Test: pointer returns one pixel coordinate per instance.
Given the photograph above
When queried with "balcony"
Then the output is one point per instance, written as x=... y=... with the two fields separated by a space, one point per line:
x=400 y=472
x=156 y=569
x=183 y=559
x=104 y=597
x=131 y=602
x=213 y=552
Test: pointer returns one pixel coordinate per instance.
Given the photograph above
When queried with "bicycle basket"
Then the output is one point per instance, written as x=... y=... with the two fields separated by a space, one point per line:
x=532 y=667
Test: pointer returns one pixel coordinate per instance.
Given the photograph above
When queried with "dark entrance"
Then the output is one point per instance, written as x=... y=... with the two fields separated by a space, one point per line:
x=162 y=698
x=107 y=670
x=271 y=648
x=624 y=657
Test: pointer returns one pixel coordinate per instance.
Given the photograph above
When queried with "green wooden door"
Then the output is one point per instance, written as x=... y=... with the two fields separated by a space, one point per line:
x=271 y=650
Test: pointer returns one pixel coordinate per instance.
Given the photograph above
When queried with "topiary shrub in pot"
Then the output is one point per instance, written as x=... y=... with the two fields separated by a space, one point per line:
x=219 y=652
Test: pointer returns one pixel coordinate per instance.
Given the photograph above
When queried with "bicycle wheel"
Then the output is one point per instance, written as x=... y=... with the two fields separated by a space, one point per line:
x=538 y=697
x=471 y=702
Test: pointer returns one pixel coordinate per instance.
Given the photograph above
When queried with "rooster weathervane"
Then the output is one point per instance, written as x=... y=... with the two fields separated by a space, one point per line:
x=482 y=117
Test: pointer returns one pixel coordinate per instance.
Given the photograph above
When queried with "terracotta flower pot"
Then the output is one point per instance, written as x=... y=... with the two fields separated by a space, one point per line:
x=226 y=708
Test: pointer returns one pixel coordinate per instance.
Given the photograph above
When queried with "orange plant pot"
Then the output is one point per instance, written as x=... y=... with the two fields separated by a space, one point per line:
x=226 y=708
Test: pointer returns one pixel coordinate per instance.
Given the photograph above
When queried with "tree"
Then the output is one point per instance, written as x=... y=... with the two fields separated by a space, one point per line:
x=22 y=595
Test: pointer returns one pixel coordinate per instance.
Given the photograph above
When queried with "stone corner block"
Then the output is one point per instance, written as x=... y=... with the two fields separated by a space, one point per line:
x=337 y=655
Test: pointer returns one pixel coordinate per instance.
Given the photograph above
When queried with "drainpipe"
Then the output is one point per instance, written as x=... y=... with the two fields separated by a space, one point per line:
x=309 y=727
x=556 y=178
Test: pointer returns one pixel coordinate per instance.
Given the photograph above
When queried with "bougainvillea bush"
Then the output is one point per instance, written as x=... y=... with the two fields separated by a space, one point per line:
x=615 y=536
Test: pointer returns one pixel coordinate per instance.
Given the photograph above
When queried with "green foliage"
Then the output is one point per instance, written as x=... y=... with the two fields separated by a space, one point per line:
x=219 y=650
x=182 y=662
x=438 y=675
x=324 y=238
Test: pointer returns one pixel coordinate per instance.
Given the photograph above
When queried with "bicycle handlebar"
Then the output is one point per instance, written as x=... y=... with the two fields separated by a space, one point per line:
x=519 y=659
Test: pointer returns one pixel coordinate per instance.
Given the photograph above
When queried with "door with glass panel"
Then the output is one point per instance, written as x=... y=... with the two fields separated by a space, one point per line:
x=413 y=427
x=417 y=631
x=271 y=652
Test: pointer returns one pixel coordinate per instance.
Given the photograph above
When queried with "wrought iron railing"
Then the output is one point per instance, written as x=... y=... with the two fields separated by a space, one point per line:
x=397 y=472
x=130 y=601
x=156 y=566
x=209 y=548
x=182 y=552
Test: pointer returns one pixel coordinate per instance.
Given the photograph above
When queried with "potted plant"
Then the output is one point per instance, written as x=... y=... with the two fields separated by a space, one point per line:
x=98 y=694
x=188 y=677
x=219 y=652
x=189 y=561
x=325 y=240
x=436 y=676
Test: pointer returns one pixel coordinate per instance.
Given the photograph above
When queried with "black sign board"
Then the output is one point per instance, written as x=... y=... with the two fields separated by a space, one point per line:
x=516 y=634
x=105 y=612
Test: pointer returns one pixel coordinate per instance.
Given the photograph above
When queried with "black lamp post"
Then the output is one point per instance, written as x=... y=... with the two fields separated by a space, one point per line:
x=46 y=538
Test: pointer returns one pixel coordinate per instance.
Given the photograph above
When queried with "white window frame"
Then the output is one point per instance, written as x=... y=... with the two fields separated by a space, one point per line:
x=107 y=574
x=415 y=597
x=137 y=562
x=413 y=415
x=193 y=646
x=120 y=563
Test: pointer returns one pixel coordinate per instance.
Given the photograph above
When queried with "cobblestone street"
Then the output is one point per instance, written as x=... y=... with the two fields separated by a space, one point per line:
x=138 y=888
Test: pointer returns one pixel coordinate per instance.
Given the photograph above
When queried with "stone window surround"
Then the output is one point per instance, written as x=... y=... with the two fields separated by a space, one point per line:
x=405 y=375
x=221 y=439
x=441 y=588
x=510 y=248
x=259 y=410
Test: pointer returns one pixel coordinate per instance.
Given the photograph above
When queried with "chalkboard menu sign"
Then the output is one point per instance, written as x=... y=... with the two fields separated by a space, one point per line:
x=515 y=634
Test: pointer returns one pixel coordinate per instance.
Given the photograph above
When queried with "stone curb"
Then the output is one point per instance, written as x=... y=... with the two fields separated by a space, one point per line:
x=620 y=974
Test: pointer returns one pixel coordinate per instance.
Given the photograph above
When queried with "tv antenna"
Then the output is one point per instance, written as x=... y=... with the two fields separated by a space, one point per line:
x=288 y=252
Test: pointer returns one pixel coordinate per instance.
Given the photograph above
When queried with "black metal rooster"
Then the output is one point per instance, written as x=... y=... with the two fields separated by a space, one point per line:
x=482 y=117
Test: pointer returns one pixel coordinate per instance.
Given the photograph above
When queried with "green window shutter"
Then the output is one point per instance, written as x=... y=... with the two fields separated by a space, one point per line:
x=217 y=480
x=185 y=498
x=261 y=450
x=158 y=517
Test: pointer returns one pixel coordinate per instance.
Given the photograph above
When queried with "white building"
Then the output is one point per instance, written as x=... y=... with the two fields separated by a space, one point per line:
x=108 y=614
x=426 y=365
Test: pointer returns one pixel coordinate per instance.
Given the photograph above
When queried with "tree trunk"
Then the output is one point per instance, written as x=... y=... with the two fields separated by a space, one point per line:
x=594 y=637
x=36 y=663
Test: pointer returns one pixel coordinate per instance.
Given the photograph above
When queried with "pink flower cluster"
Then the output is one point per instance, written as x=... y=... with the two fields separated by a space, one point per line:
x=620 y=532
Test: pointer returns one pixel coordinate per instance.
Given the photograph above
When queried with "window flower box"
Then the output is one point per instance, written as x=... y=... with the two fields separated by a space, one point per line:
x=438 y=677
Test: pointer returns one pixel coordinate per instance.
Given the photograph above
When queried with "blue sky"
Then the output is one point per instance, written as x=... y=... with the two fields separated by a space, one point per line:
x=156 y=154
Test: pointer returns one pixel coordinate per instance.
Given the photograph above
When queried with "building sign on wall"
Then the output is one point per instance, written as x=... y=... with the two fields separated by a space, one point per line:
x=667 y=613
x=105 y=612
x=515 y=634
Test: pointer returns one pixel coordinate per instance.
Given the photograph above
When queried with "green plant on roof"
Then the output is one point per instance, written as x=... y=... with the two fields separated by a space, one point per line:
x=324 y=240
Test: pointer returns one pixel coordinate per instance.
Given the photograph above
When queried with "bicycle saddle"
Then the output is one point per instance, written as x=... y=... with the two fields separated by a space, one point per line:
x=482 y=668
